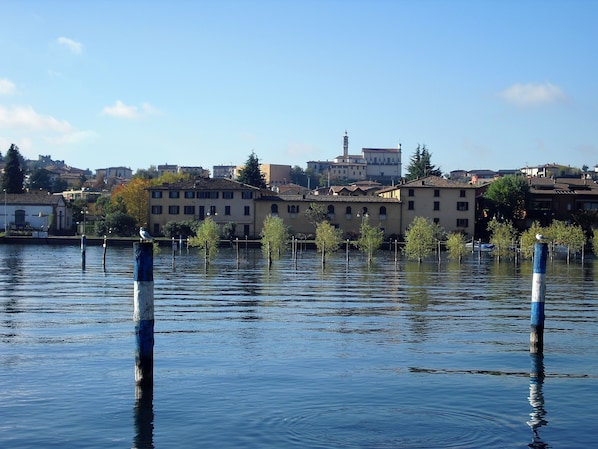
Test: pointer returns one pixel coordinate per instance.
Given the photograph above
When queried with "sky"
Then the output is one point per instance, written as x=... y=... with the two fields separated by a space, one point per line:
x=483 y=84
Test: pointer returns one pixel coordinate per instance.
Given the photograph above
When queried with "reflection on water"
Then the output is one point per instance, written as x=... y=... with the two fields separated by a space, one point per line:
x=536 y=400
x=405 y=355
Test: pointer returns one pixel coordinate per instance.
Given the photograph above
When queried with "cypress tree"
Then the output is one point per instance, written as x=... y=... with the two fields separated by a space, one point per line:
x=13 y=177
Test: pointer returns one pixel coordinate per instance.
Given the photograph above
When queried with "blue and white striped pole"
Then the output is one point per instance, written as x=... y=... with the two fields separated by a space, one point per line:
x=536 y=337
x=143 y=312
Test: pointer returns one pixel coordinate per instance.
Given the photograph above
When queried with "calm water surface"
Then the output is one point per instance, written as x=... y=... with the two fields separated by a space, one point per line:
x=395 y=356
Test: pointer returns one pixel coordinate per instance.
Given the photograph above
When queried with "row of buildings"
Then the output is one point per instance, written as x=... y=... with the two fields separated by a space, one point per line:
x=455 y=206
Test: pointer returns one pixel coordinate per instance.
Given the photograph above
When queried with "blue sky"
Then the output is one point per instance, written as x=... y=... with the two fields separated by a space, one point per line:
x=483 y=84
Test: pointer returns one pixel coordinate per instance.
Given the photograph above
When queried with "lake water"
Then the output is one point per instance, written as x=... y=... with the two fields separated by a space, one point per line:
x=394 y=356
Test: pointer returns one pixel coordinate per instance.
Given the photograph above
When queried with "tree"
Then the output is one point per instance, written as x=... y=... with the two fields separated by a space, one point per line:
x=251 y=174
x=420 y=165
x=316 y=213
x=40 y=179
x=135 y=197
x=455 y=246
x=571 y=236
x=298 y=176
x=370 y=238
x=13 y=177
x=502 y=235
x=328 y=239
x=420 y=239
x=207 y=237
x=186 y=228
x=275 y=236
x=509 y=197
x=116 y=223
x=527 y=240
x=59 y=185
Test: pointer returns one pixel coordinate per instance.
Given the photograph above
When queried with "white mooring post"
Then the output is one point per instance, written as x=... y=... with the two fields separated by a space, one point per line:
x=143 y=312
x=536 y=337
x=83 y=248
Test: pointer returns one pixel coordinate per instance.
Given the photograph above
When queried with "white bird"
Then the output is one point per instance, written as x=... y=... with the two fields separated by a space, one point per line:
x=145 y=236
x=540 y=237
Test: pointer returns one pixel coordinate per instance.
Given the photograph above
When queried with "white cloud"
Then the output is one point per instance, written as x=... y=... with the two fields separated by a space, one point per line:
x=7 y=87
x=73 y=46
x=121 y=110
x=25 y=117
x=533 y=94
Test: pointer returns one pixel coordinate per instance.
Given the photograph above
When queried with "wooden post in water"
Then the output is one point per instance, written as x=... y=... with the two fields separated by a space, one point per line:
x=83 y=248
x=105 y=246
x=237 y=252
x=143 y=313
x=536 y=337
x=347 y=252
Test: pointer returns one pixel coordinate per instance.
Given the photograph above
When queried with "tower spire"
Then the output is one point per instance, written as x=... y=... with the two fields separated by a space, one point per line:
x=346 y=145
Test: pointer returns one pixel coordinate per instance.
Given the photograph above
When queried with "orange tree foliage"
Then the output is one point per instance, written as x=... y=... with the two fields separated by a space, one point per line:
x=135 y=197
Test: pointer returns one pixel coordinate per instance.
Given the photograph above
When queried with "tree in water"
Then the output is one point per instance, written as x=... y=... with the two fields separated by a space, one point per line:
x=455 y=245
x=207 y=237
x=275 y=236
x=420 y=238
x=251 y=174
x=370 y=239
x=328 y=239
x=420 y=165
x=13 y=177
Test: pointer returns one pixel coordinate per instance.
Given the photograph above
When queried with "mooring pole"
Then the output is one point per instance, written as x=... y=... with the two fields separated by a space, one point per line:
x=536 y=337
x=83 y=247
x=105 y=246
x=143 y=312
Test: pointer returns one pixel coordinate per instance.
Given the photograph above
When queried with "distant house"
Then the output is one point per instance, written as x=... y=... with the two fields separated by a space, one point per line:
x=35 y=211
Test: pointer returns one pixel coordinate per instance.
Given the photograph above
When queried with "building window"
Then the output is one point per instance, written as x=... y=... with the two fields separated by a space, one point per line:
x=156 y=210
x=411 y=205
x=382 y=212
x=462 y=222
x=174 y=194
x=227 y=195
x=330 y=212
x=226 y=210
x=246 y=229
x=156 y=194
x=348 y=213
x=462 y=205
x=189 y=210
x=246 y=210
x=207 y=195
x=436 y=220
x=274 y=210
x=436 y=205
x=436 y=192
x=246 y=195
x=411 y=192
x=462 y=193
x=212 y=212
x=189 y=194
x=173 y=210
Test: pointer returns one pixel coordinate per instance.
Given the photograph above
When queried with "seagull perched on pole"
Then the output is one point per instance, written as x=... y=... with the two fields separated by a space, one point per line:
x=145 y=236
x=540 y=238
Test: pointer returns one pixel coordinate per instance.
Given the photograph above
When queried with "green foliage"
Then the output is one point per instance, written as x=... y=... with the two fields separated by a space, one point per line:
x=455 y=246
x=370 y=239
x=316 y=213
x=229 y=230
x=420 y=164
x=116 y=223
x=571 y=236
x=207 y=237
x=420 y=239
x=251 y=173
x=595 y=243
x=40 y=179
x=528 y=239
x=275 y=236
x=14 y=175
x=503 y=236
x=186 y=228
x=509 y=197
x=328 y=238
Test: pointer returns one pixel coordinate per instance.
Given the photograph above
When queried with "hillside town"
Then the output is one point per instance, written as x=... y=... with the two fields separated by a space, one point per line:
x=377 y=184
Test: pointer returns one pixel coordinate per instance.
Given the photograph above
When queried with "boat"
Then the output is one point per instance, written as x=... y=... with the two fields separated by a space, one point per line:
x=477 y=246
